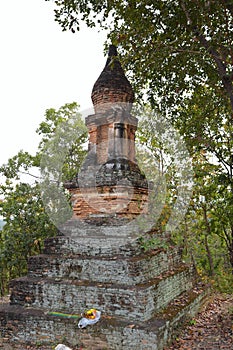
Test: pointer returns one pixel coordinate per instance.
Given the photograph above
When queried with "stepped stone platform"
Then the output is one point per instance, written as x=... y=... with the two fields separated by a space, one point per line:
x=144 y=297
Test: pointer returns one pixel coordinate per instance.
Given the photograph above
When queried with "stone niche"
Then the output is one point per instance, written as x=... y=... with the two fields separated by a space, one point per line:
x=144 y=297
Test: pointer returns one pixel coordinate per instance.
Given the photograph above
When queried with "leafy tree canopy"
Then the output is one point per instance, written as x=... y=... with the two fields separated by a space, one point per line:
x=170 y=47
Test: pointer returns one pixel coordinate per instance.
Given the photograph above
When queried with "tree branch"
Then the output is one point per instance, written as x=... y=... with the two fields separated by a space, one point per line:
x=222 y=68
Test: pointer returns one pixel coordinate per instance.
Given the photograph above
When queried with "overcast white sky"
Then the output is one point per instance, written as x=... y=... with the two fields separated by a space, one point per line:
x=41 y=67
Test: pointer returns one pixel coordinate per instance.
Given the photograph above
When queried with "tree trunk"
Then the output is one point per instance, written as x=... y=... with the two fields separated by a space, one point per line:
x=231 y=251
x=208 y=233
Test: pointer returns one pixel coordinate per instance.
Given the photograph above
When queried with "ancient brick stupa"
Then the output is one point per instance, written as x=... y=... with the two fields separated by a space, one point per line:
x=143 y=297
x=110 y=184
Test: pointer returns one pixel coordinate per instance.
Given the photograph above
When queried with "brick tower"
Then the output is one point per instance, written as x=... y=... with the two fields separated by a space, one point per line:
x=110 y=184
x=143 y=296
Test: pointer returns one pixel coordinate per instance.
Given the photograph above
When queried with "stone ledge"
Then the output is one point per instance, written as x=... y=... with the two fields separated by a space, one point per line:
x=140 y=300
x=113 y=269
x=102 y=246
x=112 y=333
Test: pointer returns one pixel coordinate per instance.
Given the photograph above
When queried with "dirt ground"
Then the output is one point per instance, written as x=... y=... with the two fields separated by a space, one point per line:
x=212 y=329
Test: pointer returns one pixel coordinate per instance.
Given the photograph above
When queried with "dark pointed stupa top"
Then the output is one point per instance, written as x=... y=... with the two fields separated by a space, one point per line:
x=112 y=86
x=112 y=52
